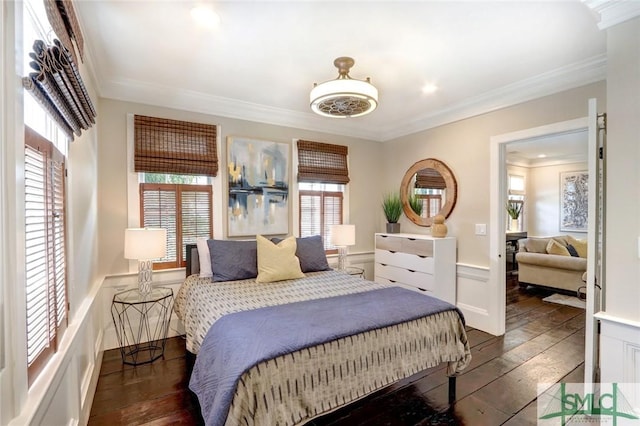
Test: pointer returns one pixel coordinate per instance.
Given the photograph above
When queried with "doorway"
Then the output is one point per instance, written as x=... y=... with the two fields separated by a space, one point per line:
x=595 y=227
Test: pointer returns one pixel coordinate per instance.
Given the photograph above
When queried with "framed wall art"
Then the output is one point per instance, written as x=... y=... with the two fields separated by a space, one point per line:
x=258 y=186
x=574 y=195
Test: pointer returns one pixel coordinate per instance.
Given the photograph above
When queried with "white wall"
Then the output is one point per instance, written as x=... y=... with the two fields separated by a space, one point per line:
x=543 y=200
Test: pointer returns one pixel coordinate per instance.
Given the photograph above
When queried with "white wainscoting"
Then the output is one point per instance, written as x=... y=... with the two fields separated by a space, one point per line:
x=473 y=295
x=620 y=352
x=64 y=390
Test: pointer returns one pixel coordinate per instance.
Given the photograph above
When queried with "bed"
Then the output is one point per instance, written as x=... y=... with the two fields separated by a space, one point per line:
x=288 y=351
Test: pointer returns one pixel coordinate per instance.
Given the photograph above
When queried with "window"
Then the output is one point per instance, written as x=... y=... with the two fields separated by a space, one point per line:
x=174 y=160
x=322 y=176
x=183 y=209
x=45 y=265
x=516 y=195
x=320 y=207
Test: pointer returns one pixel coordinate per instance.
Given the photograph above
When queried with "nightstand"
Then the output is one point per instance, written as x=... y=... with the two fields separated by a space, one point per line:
x=354 y=270
x=142 y=323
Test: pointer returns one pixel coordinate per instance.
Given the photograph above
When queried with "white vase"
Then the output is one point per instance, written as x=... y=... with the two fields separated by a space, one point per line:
x=515 y=225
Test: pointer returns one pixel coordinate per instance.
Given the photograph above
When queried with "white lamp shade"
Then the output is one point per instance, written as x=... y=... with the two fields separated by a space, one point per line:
x=343 y=235
x=145 y=243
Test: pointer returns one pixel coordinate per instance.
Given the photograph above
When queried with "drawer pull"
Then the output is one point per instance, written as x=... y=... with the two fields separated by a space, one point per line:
x=421 y=289
x=410 y=270
x=392 y=251
x=392 y=281
x=422 y=257
x=383 y=264
x=412 y=239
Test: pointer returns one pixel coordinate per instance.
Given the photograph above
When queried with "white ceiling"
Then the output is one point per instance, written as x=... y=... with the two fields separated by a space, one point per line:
x=571 y=147
x=261 y=61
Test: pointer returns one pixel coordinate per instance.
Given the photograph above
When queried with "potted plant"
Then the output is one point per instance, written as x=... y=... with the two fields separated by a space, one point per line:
x=513 y=210
x=416 y=204
x=392 y=207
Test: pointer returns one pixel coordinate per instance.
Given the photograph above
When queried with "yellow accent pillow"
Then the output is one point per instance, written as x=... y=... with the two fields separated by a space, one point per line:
x=579 y=245
x=277 y=262
x=555 y=247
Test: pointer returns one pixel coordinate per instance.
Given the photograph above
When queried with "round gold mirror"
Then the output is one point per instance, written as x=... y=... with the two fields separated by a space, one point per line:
x=427 y=189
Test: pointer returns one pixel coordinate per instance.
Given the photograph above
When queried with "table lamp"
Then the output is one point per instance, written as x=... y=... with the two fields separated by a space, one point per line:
x=343 y=236
x=144 y=245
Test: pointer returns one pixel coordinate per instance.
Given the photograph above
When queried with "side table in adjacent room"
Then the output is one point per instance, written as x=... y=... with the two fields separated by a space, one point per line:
x=142 y=323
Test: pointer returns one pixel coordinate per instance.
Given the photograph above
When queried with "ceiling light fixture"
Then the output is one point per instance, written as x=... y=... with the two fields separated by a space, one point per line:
x=344 y=97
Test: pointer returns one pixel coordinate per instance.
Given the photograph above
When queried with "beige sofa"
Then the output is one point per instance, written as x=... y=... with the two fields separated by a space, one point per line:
x=536 y=266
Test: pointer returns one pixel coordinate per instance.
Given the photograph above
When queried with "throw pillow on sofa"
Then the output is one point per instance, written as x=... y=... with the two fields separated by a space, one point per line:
x=555 y=247
x=580 y=245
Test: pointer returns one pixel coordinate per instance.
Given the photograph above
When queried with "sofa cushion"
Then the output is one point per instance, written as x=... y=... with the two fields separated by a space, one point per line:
x=555 y=247
x=547 y=261
x=537 y=245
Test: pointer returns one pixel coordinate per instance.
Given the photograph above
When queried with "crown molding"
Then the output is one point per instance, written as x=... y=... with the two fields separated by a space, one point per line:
x=613 y=12
x=565 y=78
x=575 y=75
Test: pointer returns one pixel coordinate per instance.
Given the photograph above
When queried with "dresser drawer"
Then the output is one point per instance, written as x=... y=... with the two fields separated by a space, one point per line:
x=404 y=260
x=417 y=246
x=405 y=276
x=382 y=280
x=385 y=242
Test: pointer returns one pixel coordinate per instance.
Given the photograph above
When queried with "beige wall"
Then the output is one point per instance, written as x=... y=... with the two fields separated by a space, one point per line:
x=543 y=200
x=464 y=147
x=364 y=165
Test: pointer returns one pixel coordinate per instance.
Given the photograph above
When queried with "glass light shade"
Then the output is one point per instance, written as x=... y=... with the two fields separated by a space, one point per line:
x=343 y=88
x=145 y=243
x=343 y=235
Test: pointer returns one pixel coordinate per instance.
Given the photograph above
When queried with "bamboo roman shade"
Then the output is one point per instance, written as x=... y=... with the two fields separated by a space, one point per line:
x=175 y=147
x=430 y=178
x=63 y=20
x=57 y=85
x=322 y=162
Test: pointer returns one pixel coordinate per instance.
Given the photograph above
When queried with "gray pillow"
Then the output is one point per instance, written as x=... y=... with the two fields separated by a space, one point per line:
x=233 y=260
x=310 y=252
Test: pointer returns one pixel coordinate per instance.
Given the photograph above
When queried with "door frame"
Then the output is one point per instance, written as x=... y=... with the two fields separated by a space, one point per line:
x=497 y=214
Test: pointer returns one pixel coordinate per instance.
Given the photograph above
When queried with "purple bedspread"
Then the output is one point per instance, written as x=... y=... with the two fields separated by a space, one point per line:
x=239 y=341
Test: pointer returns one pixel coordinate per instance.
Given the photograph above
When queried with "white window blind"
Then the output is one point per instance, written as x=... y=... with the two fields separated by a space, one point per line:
x=318 y=211
x=45 y=257
x=183 y=210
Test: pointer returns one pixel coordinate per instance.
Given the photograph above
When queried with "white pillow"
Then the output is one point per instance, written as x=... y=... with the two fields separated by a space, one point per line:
x=204 y=257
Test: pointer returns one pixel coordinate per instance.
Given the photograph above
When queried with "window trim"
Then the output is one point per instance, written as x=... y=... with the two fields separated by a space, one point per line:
x=179 y=189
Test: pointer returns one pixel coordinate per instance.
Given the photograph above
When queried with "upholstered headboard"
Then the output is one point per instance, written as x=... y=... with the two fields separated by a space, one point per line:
x=193 y=261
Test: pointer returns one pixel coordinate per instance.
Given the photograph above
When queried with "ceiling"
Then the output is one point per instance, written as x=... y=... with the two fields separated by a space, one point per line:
x=551 y=150
x=260 y=62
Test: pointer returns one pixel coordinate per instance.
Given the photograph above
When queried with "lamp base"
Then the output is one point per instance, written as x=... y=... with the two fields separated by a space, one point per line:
x=145 y=275
x=342 y=258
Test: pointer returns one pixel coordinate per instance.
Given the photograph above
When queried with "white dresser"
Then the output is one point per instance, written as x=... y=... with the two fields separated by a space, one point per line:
x=417 y=262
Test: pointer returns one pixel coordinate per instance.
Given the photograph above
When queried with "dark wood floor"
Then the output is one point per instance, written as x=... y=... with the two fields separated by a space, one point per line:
x=544 y=342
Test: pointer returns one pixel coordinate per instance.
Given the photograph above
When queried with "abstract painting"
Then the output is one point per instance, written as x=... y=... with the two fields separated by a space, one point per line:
x=574 y=195
x=258 y=176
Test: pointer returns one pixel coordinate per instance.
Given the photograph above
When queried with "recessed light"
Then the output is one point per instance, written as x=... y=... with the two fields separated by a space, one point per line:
x=205 y=16
x=542 y=155
x=429 y=88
